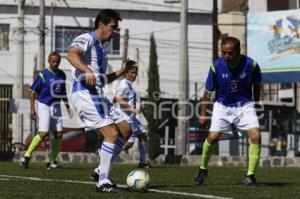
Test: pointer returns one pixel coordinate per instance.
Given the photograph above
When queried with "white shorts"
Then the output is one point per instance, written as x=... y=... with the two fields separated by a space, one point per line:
x=137 y=128
x=50 y=117
x=244 y=117
x=96 y=112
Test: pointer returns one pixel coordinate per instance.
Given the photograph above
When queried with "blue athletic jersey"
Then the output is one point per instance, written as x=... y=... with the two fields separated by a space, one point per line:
x=233 y=86
x=50 y=86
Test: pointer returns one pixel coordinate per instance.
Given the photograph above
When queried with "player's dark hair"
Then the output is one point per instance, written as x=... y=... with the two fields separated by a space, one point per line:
x=105 y=15
x=131 y=68
x=54 y=53
x=235 y=41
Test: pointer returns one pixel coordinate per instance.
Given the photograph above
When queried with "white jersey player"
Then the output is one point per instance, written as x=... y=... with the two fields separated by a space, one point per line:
x=127 y=98
x=89 y=61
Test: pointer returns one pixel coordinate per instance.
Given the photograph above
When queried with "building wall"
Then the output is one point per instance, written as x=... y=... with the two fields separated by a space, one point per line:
x=233 y=24
x=257 y=5
x=141 y=18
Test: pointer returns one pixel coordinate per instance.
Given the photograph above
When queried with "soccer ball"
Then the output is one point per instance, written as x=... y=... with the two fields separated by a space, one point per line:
x=138 y=180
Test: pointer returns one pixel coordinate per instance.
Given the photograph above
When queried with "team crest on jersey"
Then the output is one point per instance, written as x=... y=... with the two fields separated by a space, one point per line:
x=225 y=75
x=243 y=75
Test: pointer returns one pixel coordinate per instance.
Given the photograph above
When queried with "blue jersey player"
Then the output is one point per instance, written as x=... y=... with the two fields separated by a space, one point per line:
x=49 y=89
x=235 y=79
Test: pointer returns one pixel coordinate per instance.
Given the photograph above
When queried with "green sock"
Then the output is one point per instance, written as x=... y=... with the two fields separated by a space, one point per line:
x=34 y=143
x=254 y=154
x=54 y=149
x=206 y=153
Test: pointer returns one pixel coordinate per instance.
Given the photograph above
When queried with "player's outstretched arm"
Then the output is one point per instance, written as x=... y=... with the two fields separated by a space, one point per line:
x=124 y=104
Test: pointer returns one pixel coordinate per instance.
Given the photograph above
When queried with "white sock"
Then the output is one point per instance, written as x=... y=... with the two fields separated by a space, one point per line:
x=106 y=155
x=143 y=151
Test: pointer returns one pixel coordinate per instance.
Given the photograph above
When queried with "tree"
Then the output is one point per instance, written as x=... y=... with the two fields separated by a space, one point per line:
x=153 y=98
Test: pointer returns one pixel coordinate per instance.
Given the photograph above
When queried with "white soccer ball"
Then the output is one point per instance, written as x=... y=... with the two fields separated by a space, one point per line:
x=138 y=180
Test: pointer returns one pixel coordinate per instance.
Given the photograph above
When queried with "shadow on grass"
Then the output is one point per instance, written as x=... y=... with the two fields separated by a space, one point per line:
x=264 y=184
x=274 y=184
x=169 y=186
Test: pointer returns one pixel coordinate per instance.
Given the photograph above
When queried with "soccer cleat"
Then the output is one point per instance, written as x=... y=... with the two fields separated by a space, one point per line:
x=25 y=162
x=53 y=165
x=144 y=165
x=94 y=176
x=199 y=179
x=109 y=188
x=249 y=181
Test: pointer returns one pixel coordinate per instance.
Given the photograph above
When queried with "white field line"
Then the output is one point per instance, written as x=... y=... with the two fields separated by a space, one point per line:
x=7 y=177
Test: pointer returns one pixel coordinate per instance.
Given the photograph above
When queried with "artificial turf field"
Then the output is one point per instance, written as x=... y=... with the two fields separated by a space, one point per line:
x=167 y=181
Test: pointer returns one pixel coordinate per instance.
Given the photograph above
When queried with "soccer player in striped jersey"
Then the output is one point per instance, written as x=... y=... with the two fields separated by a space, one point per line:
x=49 y=89
x=126 y=97
x=235 y=79
x=89 y=60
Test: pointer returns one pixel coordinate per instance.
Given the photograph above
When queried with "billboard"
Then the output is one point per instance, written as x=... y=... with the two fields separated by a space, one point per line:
x=274 y=40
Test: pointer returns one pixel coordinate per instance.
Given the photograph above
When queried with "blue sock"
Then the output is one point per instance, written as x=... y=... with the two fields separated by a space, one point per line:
x=143 y=151
x=119 y=146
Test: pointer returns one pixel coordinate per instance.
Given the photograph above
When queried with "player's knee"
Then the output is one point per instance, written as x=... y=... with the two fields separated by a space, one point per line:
x=42 y=134
x=127 y=135
x=128 y=145
x=255 y=139
x=113 y=136
x=142 y=138
x=213 y=137
x=254 y=135
x=125 y=130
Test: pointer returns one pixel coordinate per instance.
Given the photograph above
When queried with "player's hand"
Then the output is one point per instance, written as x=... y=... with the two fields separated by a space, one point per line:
x=90 y=79
x=32 y=114
x=70 y=112
x=202 y=121
x=127 y=65
x=135 y=110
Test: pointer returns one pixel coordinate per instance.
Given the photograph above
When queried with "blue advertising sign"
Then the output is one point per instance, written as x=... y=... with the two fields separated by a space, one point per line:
x=274 y=41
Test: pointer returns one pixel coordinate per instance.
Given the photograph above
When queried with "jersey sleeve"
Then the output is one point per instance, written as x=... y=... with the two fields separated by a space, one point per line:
x=256 y=73
x=210 y=84
x=38 y=83
x=83 y=42
x=122 y=90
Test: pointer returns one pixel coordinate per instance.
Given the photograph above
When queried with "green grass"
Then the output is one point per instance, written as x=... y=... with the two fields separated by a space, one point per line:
x=222 y=181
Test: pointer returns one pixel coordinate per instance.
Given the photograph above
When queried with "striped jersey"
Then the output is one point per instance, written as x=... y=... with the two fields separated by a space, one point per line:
x=95 y=57
x=126 y=91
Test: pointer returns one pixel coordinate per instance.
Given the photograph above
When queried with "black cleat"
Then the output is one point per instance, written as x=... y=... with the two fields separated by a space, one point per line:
x=249 y=181
x=199 y=179
x=144 y=165
x=109 y=188
x=53 y=165
x=25 y=162
x=94 y=176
